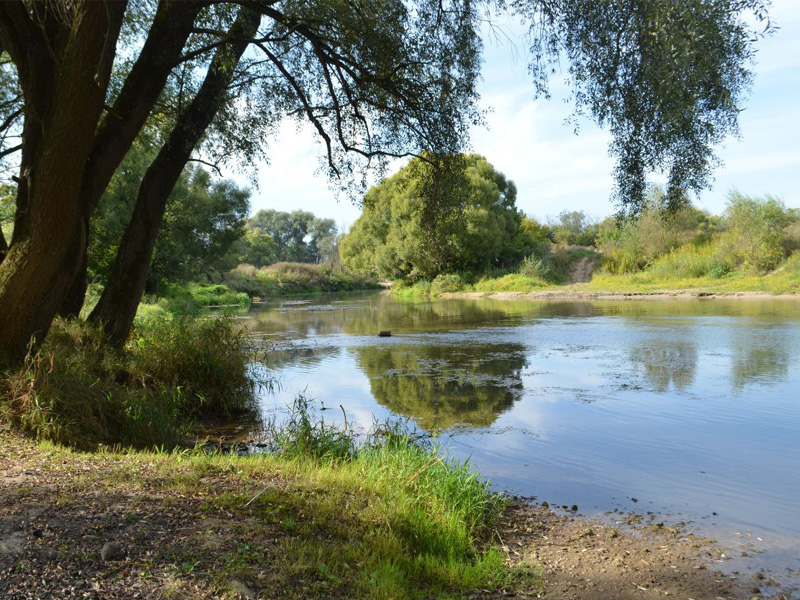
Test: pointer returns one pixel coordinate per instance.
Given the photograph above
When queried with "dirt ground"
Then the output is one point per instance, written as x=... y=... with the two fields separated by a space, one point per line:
x=57 y=515
x=590 y=560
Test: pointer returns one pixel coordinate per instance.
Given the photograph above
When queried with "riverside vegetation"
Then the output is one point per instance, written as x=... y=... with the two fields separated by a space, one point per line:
x=754 y=246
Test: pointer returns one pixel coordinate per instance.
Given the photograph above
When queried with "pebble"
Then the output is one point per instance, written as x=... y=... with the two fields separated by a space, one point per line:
x=112 y=551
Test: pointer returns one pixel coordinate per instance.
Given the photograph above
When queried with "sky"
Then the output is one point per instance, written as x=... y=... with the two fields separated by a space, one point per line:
x=555 y=169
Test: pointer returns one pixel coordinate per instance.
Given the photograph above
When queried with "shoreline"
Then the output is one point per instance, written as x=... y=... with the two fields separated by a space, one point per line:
x=691 y=294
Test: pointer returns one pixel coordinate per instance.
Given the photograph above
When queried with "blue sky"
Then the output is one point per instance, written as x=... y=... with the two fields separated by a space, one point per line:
x=556 y=170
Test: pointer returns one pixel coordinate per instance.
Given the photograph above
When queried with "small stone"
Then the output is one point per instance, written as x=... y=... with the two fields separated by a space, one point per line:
x=38 y=533
x=240 y=589
x=112 y=551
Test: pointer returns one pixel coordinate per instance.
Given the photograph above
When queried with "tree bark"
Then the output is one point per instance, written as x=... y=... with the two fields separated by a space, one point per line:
x=117 y=306
x=64 y=74
x=172 y=25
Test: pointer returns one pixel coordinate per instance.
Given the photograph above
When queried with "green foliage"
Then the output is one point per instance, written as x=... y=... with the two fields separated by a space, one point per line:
x=203 y=220
x=666 y=78
x=511 y=282
x=536 y=268
x=477 y=225
x=282 y=279
x=297 y=236
x=756 y=235
x=446 y=282
x=256 y=248
x=79 y=392
x=634 y=244
x=189 y=299
x=208 y=359
x=573 y=228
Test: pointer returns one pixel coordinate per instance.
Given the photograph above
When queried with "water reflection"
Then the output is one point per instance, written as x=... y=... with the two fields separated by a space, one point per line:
x=690 y=406
x=441 y=386
x=762 y=364
x=667 y=362
x=284 y=356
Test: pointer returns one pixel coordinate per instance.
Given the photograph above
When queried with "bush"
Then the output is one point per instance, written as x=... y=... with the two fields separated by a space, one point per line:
x=535 y=267
x=189 y=300
x=77 y=391
x=287 y=278
x=207 y=359
x=634 y=245
x=446 y=282
x=758 y=228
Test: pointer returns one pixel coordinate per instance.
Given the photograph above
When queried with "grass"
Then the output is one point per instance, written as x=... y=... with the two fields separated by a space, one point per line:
x=322 y=516
x=285 y=278
x=690 y=269
x=172 y=372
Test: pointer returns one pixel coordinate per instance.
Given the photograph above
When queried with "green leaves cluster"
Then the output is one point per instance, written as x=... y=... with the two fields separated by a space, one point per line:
x=667 y=78
x=299 y=236
x=473 y=225
x=203 y=220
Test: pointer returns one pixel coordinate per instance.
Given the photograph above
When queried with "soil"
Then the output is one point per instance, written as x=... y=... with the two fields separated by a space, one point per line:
x=61 y=515
x=583 y=269
x=591 y=560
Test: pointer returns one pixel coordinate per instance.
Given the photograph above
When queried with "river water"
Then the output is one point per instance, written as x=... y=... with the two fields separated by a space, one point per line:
x=686 y=409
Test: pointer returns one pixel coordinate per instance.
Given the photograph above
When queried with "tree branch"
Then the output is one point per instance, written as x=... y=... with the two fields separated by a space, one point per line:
x=7 y=151
x=171 y=28
x=208 y=164
x=17 y=31
x=10 y=119
x=306 y=105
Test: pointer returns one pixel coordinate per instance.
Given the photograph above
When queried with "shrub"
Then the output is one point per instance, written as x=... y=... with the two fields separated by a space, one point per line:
x=535 y=267
x=293 y=278
x=446 y=282
x=757 y=231
x=77 y=391
x=634 y=245
x=207 y=359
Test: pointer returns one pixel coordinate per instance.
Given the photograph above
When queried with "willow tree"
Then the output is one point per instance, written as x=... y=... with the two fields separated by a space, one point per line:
x=375 y=79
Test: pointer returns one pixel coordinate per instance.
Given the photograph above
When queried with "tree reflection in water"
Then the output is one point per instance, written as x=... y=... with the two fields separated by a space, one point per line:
x=666 y=362
x=440 y=386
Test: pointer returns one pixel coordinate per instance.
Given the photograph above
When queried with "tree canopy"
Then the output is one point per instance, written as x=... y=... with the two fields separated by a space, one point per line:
x=297 y=236
x=394 y=238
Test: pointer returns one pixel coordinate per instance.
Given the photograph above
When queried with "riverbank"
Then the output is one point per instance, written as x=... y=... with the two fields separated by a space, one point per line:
x=578 y=293
x=193 y=525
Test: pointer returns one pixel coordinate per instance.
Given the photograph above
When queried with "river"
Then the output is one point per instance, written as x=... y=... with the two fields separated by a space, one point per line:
x=679 y=410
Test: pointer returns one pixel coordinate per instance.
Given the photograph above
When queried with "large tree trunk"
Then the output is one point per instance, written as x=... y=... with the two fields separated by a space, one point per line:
x=117 y=306
x=172 y=25
x=64 y=62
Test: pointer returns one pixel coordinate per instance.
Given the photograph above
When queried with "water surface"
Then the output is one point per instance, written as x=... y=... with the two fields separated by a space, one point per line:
x=687 y=409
